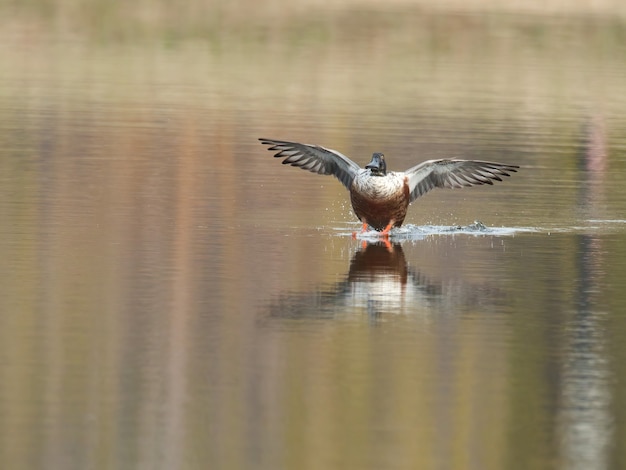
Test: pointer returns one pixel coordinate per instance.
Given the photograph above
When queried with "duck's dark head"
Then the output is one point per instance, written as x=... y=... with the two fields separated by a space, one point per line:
x=377 y=166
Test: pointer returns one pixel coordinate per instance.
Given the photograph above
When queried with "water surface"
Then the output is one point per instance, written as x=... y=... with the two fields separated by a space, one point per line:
x=173 y=297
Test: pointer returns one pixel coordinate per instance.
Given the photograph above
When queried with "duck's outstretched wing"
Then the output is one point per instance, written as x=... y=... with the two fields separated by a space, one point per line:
x=454 y=174
x=315 y=158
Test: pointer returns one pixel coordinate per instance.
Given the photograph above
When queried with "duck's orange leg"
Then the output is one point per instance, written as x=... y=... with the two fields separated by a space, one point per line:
x=385 y=233
x=363 y=229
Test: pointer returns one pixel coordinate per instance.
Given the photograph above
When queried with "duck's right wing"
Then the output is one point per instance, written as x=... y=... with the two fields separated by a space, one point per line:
x=454 y=174
x=315 y=158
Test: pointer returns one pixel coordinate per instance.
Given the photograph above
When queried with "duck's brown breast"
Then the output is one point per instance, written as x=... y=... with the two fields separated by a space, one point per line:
x=379 y=200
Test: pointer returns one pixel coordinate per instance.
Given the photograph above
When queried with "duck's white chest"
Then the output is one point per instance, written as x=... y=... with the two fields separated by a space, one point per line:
x=378 y=187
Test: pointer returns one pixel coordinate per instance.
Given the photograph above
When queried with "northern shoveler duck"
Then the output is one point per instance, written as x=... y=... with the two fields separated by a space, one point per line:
x=379 y=198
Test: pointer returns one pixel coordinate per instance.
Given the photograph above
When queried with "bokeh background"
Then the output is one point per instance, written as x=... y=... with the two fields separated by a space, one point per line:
x=173 y=297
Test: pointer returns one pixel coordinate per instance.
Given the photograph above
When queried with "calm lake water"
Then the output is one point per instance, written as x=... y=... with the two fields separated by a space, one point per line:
x=171 y=296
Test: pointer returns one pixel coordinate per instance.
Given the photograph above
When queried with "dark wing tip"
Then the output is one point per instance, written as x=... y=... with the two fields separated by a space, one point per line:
x=314 y=158
x=273 y=143
x=506 y=167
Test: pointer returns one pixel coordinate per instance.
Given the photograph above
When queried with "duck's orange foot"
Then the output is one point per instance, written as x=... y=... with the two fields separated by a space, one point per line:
x=363 y=230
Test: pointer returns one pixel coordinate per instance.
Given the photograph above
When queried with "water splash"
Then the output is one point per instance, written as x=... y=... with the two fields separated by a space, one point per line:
x=418 y=232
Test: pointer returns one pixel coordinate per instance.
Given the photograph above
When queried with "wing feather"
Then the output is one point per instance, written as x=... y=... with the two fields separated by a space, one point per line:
x=451 y=173
x=315 y=159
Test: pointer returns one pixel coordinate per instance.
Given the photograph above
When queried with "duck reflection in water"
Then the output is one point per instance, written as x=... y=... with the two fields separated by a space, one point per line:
x=379 y=282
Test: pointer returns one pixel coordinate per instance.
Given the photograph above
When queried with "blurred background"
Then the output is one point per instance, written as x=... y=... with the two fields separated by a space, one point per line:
x=173 y=297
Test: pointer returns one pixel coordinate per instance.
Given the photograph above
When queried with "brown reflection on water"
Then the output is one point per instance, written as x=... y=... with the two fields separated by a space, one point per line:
x=158 y=304
x=380 y=282
x=368 y=370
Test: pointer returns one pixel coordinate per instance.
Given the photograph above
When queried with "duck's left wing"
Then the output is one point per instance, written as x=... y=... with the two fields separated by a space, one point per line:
x=454 y=174
x=315 y=158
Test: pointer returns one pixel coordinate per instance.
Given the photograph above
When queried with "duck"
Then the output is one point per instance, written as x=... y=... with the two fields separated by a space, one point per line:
x=380 y=198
